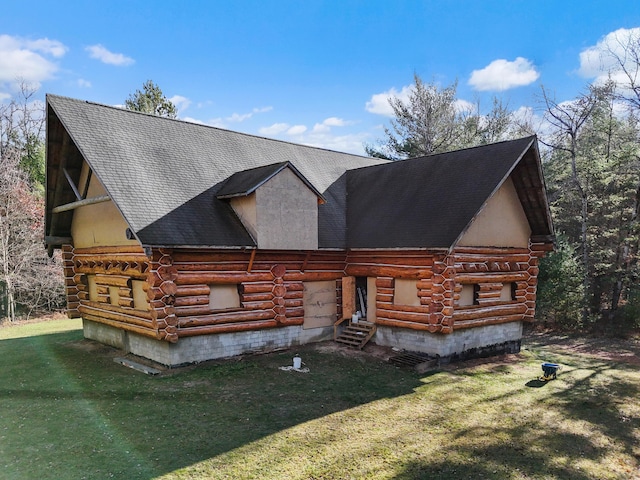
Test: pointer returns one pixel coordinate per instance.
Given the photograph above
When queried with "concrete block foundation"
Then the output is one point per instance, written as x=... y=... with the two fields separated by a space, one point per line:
x=205 y=347
x=491 y=339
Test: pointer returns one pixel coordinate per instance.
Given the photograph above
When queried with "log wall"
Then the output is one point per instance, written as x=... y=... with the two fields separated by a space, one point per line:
x=430 y=273
x=177 y=284
x=112 y=270
x=491 y=269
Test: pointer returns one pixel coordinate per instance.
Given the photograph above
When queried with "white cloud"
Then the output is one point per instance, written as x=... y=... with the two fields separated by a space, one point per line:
x=335 y=122
x=321 y=128
x=99 y=52
x=180 y=102
x=464 y=106
x=84 y=83
x=605 y=57
x=192 y=120
x=296 y=130
x=24 y=59
x=502 y=75
x=379 y=103
x=4 y=96
x=241 y=117
x=274 y=129
x=351 y=143
x=327 y=123
x=238 y=118
x=46 y=46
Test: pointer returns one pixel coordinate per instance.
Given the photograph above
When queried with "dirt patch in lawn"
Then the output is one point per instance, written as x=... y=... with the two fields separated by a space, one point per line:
x=620 y=350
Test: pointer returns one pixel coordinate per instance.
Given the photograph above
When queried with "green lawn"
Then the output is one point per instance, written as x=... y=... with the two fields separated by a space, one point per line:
x=67 y=411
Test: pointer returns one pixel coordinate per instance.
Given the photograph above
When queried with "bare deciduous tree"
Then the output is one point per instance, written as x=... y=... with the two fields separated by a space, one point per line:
x=31 y=279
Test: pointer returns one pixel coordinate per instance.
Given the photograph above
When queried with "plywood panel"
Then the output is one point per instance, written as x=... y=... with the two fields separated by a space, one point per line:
x=406 y=292
x=320 y=304
x=223 y=296
x=348 y=296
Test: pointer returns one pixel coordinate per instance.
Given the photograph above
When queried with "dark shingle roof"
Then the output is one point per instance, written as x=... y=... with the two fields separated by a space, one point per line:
x=164 y=174
x=167 y=178
x=248 y=181
x=426 y=202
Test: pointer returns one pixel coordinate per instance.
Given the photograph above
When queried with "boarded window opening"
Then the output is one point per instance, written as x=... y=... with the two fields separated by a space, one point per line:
x=406 y=292
x=114 y=295
x=223 y=296
x=469 y=295
x=92 y=287
x=140 y=301
x=508 y=292
x=320 y=304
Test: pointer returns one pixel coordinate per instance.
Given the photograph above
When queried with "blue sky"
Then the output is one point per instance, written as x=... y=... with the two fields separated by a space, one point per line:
x=315 y=72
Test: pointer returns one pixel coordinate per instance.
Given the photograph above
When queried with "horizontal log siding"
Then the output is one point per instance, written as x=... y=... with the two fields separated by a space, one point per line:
x=70 y=282
x=423 y=267
x=490 y=269
x=270 y=287
x=177 y=286
x=113 y=270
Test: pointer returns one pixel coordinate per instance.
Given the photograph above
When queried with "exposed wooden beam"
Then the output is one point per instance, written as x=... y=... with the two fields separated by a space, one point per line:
x=72 y=184
x=81 y=203
x=251 y=259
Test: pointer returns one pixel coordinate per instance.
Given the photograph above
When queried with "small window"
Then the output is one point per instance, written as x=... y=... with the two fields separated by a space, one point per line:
x=223 y=296
x=406 y=292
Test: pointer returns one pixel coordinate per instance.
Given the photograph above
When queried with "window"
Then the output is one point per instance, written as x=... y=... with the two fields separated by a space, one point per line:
x=223 y=296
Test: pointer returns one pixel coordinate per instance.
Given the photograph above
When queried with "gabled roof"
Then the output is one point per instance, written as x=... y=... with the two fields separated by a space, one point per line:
x=164 y=175
x=170 y=179
x=429 y=202
x=246 y=182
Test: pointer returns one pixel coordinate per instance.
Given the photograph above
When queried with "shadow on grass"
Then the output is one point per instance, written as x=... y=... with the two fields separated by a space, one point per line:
x=80 y=415
x=536 y=383
x=592 y=395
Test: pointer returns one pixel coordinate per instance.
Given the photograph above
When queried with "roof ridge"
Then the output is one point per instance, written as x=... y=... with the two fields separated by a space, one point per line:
x=121 y=109
x=528 y=137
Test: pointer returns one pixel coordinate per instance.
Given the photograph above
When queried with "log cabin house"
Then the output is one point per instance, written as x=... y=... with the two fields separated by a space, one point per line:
x=183 y=242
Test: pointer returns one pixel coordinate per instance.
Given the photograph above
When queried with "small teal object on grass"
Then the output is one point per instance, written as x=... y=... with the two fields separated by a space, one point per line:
x=550 y=371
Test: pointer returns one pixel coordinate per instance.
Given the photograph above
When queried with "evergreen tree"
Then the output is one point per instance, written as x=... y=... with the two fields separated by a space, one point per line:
x=434 y=121
x=151 y=100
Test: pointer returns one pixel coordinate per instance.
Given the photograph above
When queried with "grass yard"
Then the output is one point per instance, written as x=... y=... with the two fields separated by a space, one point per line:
x=67 y=411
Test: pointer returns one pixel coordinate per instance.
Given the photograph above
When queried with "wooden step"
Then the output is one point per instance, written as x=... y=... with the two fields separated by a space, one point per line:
x=356 y=334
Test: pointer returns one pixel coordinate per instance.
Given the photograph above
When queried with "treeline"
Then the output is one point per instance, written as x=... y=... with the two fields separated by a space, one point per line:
x=30 y=281
x=591 y=159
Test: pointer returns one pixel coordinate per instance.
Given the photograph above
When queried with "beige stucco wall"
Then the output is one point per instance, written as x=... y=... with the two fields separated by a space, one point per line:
x=501 y=223
x=286 y=214
x=100 y=224
x=245 y=208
